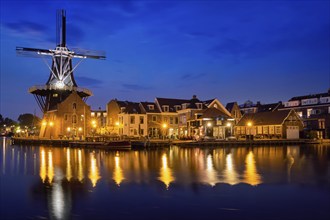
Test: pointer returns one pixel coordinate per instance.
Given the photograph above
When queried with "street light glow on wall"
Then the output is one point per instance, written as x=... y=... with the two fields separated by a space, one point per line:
x=209 y=124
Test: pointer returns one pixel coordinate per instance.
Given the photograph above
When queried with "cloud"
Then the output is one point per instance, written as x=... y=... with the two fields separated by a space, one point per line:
x=27 y=28
x=88 y=82
x=136 y=87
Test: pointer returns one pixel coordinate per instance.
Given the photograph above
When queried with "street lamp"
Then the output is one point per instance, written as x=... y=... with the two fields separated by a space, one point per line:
x=164 y=127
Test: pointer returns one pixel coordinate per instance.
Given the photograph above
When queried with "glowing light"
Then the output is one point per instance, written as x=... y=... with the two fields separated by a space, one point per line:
x=59 y=84
x=68 y=129
x=94 y=173
x=228 y=124
x=51 y=123
x=42 y=165
x=230 y=175
x=251 y=175
x=165 y=172
x=80 y=129
x=249 y=124
x=44 y=123
x=80 y=167
x=209 y=124
x=118 y=175
x=117 y=123
x=50 y=172
x=68 y=165
x=164 y=125
x=211 y=173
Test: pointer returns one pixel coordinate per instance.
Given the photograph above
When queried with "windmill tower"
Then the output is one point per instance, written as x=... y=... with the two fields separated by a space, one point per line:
x=61 y=83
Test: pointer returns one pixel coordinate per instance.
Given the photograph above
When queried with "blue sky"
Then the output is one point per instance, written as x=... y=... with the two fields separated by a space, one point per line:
x=233 y=50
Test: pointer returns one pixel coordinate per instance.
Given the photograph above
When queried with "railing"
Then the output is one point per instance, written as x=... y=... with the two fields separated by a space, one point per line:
x=54 y=87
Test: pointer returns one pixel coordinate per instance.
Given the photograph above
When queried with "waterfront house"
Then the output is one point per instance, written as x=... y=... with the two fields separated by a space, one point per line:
x=99 y=121
x=234 y=111
x=70 y=118
x=278 y=124
x=314 y=110
x=126 y=118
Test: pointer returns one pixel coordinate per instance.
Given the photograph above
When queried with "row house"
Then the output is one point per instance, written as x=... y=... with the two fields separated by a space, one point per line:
x=99 y=121
x=126 y=118
x=284 y=124
x=314 y=110
x=167 y=117
x=250 y=107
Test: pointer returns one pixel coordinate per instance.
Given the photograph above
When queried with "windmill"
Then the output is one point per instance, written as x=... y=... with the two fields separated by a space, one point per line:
x=61 y=82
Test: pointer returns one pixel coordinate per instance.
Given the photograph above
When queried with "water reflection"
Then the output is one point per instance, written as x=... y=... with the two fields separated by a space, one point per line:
x=118 y=175
x=230 y=175
x=251 y=175
x=166 y=175
x=94 y=173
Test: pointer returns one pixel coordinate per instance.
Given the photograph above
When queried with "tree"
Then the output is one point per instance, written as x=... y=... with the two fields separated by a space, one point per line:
x=28 y=120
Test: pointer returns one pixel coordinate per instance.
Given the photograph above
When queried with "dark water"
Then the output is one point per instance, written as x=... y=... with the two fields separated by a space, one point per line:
x=291 y=182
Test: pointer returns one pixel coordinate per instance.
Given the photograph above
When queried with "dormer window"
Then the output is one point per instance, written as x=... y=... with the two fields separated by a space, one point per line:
x=215 y=106
x=184 y=105
x=122 y=109
x=177 y=107
x=199 y=105
x=151 y=107
x=165 y=108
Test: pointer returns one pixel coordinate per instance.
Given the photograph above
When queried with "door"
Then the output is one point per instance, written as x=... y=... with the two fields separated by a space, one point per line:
x=292 y=132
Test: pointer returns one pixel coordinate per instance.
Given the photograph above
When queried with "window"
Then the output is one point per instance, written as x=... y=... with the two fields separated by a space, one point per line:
x=93 y=114
x=184 y=105
x=65 y=117
x=165 y=119
x=151 y=107
x=171 y=120
x=141 y=132
x=165 y=108
x=321 y=124
x=74 y=106
x=176 y=120
x=154 y=118
x=110 y=121
x=309 y=112
x=74 y=119
x=55 y=95
x=141 y=120
x=278 y=130
x=122 y=109
x=177 y=107
x=199 y=105
x=132 y=120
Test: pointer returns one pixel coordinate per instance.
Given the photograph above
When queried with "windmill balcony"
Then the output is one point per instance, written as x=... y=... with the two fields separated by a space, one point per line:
x=38 y=88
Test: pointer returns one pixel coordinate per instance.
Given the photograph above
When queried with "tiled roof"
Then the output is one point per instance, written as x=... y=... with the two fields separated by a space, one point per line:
x=319 y=95
x=264 y=118
x=146 y=107
x=130 y=107
x=213 y=113
x=171 y=102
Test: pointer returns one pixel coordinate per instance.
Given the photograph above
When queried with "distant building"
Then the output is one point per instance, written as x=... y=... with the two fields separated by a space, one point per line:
x=250 y=107
x=277 y=124
x=99 y=121
x=314 y=110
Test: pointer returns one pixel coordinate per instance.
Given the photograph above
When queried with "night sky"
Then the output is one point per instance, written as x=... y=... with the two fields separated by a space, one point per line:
x=231 y=50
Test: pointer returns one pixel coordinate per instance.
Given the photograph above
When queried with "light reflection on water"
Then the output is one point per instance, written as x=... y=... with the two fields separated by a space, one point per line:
x=63 y=170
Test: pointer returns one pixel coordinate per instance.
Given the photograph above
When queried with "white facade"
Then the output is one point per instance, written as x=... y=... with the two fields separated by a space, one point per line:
x=133 y=124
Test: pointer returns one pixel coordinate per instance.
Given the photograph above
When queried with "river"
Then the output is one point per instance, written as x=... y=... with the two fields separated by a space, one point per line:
x=261 y=182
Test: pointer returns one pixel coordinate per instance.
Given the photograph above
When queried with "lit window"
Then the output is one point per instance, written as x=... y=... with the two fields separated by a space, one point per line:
x=74 y=106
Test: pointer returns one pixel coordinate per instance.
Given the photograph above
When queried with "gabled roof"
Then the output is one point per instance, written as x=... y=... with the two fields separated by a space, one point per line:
x=171 y=103
x=230 y=106
x=214 y=113
x=264 y=118
x=208 y=102
x=130 y=107
x=146 y=107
